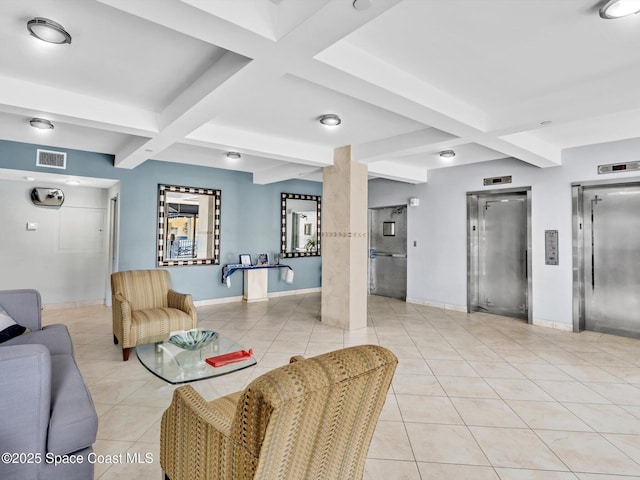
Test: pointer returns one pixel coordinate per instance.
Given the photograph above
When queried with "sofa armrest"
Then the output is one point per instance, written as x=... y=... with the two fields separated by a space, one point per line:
x=196 y=442
x=184 y=302
x=24 y=306
x=25 y=399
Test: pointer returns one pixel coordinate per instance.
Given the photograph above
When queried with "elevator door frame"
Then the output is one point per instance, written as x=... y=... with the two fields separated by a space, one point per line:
x=577 y=217
x=473 y=246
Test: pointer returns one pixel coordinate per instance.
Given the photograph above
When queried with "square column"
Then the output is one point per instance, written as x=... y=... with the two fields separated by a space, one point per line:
x=344 y=242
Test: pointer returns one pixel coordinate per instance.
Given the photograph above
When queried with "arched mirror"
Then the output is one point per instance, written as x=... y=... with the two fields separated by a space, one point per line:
x=300 y=225
x=188 y=226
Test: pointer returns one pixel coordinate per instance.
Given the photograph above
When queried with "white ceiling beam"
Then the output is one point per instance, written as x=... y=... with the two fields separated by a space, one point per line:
x=428 y=139
x=281 y=173
x=21 y=97
x=401 y=173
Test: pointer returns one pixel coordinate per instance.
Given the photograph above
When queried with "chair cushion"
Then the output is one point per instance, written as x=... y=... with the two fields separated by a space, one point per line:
x=155 y=324
x=55 y=337
x=73 y=424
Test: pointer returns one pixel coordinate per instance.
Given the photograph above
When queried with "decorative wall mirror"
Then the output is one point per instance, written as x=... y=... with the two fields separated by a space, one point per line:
x=188 y=226
x=300 y=225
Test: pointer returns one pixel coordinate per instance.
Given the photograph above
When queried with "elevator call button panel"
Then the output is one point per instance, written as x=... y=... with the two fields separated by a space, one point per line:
x=551 y=247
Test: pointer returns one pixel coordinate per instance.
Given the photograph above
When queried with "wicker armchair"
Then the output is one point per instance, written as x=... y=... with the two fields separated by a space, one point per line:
x=145 y=309
x=311 y=419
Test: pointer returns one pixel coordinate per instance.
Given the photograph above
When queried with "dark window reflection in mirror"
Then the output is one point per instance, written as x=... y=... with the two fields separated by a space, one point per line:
x=188 y=226
x=300 y=225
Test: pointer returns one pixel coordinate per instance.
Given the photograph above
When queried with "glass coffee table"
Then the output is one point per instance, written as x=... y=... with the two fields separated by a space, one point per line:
x=177 y=365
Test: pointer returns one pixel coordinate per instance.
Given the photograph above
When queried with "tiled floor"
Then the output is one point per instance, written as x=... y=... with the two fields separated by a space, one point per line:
x=474 y=396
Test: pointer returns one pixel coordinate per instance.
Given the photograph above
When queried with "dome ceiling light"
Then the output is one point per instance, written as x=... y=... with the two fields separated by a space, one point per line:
x=613 y=9
x=41 y=123
x=330 y=120
x=447 y=154
x=48 y=31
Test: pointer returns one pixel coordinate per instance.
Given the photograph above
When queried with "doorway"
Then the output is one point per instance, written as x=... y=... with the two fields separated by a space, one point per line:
x=607 y=258
x=499 y=252
x=388 y=251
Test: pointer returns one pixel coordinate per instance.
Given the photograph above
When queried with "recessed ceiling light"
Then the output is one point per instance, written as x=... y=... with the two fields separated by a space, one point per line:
x=619 y=8
x=330 y=120
x=234 y=156
x=29 y=179
x=546 y=122
x=41 y=123
x=72 y=181
x=362 y=4
x=447 y=154
x=48 y=31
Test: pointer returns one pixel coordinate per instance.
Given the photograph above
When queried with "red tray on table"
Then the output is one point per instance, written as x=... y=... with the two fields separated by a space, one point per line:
x=224 y=359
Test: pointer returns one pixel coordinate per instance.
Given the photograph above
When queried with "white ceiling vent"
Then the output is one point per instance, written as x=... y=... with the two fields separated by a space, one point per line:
x=51 y=159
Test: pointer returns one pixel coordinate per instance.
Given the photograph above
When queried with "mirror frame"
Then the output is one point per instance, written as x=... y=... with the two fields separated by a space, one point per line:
x=217 y=194
x=283 y=224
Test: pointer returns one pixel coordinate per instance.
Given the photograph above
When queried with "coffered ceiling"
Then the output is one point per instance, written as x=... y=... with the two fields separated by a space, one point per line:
x=188 y=80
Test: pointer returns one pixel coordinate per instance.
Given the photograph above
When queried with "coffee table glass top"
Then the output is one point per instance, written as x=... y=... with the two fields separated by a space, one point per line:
x=177 y=365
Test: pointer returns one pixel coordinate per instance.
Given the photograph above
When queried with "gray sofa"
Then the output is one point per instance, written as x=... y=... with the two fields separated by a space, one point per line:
x=46 y=411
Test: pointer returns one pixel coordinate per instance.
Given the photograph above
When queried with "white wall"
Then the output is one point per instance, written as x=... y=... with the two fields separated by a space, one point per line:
x=65 y=257
x=437 y=267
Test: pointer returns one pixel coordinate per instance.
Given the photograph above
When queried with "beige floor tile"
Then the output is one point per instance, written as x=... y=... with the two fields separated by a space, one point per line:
x=487 y=412
x=571 y=391
x=606 y=418
x=516 y=448
x=390 y=410
x=629 y=444
x=589 y=453
x=127 y=422
x=598 y=476
x=441 y=471
x=390 y=469
x=516 y=389
x=469 y=387
x=588 y=373
x=547 y=416
x=538 y=371
x=412 y=366
x=105 y=450
x=618 y=393
x=456 y=368
x=417 y=385
x=390 y=442
x=496 y=370
x=444 y=444
x=113 y=390
x=141 y=461
x=524 y=474
x=428 y=409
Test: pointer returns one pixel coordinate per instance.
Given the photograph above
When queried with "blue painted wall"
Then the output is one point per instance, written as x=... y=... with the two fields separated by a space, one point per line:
x=250 y=221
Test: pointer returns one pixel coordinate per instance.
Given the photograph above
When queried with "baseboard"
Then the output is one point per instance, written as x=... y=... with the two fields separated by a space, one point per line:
x=444 y=306
x=301 y=291
x=68 y=305
x=217 y=301
x=565 y=327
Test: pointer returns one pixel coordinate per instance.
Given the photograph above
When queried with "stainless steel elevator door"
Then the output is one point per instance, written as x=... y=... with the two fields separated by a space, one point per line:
x=502 y=255
x=612 y=260
x=388 y=251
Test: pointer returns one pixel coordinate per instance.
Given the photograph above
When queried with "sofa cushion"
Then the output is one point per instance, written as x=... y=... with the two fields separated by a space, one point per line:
x=55 y=337
x=73 y=423
x=9 y=328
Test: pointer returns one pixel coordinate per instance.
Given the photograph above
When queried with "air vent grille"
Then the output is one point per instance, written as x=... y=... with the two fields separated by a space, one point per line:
x=51 y=159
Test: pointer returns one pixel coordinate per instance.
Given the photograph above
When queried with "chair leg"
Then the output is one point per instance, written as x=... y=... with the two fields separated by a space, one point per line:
x=115 y=340
x=125 y=354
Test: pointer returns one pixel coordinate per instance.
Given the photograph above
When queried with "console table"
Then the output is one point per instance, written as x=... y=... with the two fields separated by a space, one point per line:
x=255 y=279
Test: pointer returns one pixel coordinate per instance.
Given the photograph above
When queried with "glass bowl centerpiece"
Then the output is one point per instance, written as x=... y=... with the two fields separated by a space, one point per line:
x=194 y=339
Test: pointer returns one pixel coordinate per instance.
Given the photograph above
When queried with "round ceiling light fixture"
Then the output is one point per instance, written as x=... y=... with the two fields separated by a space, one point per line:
x=41 y=123
x=48 y=31
x=362 y=4
x=447 y=154
x=619 y=8
x=330 y=120
x=233 y=155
